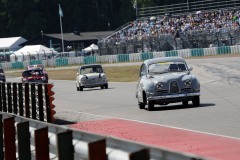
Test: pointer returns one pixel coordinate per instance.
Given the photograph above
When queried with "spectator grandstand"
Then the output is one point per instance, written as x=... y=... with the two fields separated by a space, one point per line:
x=213 y=23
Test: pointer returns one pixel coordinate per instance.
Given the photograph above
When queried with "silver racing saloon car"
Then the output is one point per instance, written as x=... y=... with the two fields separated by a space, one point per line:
x=90 y=76
x=166 y=80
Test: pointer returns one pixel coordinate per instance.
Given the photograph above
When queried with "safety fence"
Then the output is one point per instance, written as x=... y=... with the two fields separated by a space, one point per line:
x=30 y=100
x=134 y=57
x=24 y=139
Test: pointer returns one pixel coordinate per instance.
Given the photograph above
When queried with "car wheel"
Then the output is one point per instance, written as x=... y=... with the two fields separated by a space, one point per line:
x=102 y=87
x=81 y=88
x=141 y=105
x=150 y=105
x=196 y=101
x=77 y=85
x=184 y=103
x=106 y=86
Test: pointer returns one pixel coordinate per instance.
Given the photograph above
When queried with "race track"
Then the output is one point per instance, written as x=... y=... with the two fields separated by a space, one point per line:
x=211 y=130
x=218 y=114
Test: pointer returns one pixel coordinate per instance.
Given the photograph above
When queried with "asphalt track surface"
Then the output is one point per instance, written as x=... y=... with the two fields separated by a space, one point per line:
x=211 y=130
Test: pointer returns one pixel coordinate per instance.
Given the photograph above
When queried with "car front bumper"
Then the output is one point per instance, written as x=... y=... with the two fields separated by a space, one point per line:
x=93 y=85
x=182 y=96
x=34 y=81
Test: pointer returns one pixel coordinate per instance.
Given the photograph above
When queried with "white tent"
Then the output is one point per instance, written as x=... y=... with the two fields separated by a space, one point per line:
x=11 y=43
x=92 y=47
x=32 y=52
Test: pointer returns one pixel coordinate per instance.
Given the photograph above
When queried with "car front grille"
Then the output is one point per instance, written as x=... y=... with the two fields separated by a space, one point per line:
x=162 y=91
x=92 y=81
x=188 y=90
x=174 y=87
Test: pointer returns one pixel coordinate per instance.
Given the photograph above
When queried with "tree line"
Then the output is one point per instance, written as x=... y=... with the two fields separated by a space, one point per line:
x=32 y=18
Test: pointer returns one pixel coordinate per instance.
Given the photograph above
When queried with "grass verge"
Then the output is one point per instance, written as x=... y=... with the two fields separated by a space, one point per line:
x=114 y=73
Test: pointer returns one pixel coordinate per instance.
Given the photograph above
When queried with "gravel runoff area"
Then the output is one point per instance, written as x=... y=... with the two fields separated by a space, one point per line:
x=68 y=118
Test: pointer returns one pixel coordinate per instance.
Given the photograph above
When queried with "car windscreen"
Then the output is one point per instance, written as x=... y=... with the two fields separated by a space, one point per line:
x=30 y=73
x=163 y=67
x=87 y=70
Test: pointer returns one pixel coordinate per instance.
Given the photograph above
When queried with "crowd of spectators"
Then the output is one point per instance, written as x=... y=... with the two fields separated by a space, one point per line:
x=211 y=21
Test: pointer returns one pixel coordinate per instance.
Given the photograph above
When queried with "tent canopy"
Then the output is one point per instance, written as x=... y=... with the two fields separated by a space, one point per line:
x=11 y=43
x=92 y=47
x=32 y=52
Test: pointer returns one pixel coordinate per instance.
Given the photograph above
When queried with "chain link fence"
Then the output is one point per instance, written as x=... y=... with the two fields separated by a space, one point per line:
x=168 y=42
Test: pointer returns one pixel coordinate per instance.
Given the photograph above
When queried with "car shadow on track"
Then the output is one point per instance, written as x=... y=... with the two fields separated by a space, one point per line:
x=177 y=107
x=63 y=122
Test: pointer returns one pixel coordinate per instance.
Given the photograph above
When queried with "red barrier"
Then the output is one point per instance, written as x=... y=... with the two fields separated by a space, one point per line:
x=42 y=144
x=50 y=105
x=9 y=138
x=30 y=100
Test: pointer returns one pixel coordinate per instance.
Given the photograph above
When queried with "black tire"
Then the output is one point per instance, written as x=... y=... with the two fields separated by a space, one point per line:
x=141 y=105
x=150 y=105
x=185 y=103
x=102 y=87
x=80 y=88
x=106 y=86
x=196 y=101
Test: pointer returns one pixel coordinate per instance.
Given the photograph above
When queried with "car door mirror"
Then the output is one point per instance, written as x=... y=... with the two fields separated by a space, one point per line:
x=77 y=74
x=190 y=68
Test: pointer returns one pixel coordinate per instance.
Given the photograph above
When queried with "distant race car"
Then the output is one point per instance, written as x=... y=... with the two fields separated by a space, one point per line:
x=39 y=66
x=166 y=80
x=89 y=76
x=34 y=76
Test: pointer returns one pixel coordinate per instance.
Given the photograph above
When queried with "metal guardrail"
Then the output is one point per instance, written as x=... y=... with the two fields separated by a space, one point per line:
x=132 y=57
x=31 y=100
x=32 y=139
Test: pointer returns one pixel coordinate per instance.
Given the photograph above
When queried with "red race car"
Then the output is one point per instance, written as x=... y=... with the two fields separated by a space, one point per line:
x=39 y=66
x=34 y=76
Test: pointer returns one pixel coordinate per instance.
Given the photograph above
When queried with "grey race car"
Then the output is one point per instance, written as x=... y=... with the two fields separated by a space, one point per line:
x=166 y=80
x=90 y=76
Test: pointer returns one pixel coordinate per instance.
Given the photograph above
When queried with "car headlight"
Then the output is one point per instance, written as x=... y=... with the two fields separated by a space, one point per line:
x=159 y=86
x=43 y=78
x=83 y=80
x=103 y=76
x=188 y=83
